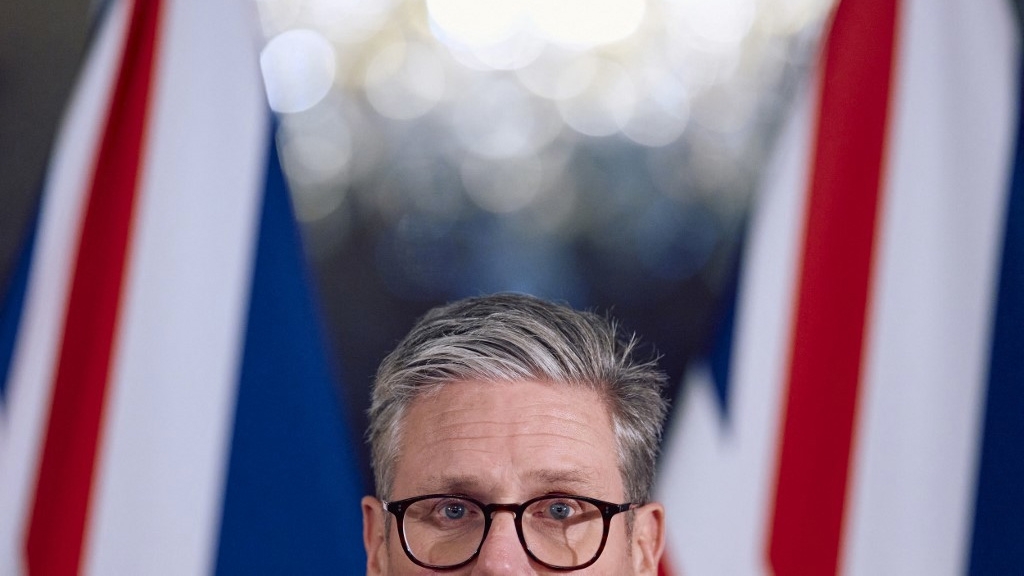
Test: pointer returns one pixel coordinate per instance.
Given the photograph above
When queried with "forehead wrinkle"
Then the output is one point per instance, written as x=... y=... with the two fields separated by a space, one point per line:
x=574 y=480
x=452 y=427
x=472 y=435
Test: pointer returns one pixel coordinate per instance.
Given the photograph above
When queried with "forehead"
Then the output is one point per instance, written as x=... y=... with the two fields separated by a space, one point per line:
x=508 y=440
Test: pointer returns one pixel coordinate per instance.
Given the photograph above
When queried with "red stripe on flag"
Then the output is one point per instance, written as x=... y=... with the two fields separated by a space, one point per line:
x=831 y=305
x=64 y=484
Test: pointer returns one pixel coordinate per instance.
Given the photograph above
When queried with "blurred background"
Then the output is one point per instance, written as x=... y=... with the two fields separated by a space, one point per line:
x=599 y=152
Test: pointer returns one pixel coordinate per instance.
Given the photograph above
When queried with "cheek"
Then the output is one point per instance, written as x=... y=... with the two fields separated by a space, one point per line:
x=400 y=565
x=616 y=557
x=397 y=561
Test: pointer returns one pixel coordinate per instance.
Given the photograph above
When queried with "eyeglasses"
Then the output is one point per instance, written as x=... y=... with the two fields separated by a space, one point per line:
x=560 y=531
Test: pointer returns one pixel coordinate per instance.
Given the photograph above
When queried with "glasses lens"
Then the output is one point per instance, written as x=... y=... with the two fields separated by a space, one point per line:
x=443 y=531
x=563 y=532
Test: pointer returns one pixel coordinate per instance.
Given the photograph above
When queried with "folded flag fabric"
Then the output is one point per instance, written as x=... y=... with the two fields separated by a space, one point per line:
x=167 y=403
x=864 y=416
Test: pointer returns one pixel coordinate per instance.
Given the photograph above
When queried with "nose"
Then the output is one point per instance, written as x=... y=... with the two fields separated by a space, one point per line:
x=501 y=552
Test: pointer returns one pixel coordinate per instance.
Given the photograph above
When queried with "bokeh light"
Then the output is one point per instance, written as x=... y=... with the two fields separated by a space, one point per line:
x=502 y=187
x=718 y=22
x=605 y=106
x=404 y=80
x=298 y=69
x=498 y=119
x=586 y=23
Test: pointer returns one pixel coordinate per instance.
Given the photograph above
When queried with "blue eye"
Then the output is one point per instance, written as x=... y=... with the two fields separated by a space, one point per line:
x=559 y=511
x=454 y=511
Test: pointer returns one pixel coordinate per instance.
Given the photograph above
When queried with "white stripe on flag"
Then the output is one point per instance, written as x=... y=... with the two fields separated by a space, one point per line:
x=162 y=462
x=39 y=333
x=949 y=158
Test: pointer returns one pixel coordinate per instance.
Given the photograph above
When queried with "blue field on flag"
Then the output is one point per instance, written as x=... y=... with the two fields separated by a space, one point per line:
x=291 y=478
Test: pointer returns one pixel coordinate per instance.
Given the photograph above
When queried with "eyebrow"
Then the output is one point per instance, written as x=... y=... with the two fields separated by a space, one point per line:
x=575 y=478
x=451 y=485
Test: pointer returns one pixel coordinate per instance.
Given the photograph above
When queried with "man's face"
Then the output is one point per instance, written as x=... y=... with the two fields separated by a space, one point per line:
x=507 y=443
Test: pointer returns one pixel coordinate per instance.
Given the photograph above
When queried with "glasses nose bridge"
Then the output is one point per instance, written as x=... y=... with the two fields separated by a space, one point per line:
x=513 y=509
x=516 y=510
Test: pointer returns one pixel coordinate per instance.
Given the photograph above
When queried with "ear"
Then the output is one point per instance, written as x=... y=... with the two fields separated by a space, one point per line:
x=648 y=539
x=373 y=536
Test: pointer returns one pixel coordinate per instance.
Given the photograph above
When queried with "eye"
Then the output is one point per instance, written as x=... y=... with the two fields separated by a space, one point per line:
x=454 y=510
x=559 y=510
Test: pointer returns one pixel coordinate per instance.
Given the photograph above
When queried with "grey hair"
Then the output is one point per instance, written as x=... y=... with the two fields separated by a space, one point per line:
x=512 y=337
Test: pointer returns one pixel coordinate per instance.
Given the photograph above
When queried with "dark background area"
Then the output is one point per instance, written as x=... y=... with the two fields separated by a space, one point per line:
x=41 y=45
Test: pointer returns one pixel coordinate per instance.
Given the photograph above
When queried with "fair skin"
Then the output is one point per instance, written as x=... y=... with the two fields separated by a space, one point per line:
x=507 y=443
